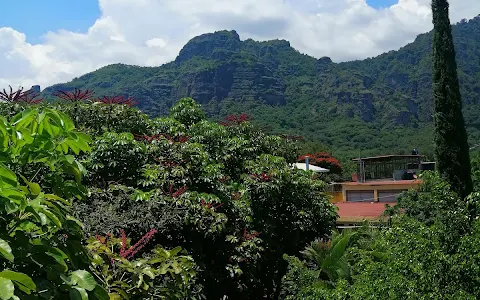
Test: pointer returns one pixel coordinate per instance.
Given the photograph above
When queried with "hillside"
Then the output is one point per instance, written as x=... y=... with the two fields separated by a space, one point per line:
x=373 y=106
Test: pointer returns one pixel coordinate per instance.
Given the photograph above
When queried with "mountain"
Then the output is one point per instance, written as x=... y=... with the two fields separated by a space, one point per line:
x=378 y=105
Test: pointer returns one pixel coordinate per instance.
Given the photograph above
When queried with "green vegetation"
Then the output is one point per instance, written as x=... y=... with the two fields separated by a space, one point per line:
x=167 y=208
x=451 y=146
x=41 y=249
x=427 y=253
x=375 y=106
x=100 y=201
x=180 y=207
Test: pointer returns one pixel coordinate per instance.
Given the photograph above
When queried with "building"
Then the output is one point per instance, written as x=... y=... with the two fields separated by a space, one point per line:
x=378 y=181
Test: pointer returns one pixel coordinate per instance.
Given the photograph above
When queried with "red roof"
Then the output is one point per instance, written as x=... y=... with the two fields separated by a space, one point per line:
x=357 y=211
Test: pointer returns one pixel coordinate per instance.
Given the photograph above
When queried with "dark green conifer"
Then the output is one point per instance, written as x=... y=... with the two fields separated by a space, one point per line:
x=451 y=145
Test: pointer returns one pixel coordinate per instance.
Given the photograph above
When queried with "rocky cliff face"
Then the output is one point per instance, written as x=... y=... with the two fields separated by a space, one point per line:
x=293 y=92
x=219 y=45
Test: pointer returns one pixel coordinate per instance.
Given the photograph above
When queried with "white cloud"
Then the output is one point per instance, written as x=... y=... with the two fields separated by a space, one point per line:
x=151 y=32
x=156 y=42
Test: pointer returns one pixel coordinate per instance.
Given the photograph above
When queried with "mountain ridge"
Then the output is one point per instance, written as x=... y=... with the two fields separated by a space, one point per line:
x=377 y=105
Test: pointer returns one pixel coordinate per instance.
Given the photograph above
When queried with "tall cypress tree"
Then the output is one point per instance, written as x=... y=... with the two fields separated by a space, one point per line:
x=451 y=145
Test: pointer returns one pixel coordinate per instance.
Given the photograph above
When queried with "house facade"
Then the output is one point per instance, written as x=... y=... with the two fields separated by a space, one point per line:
x=378 y=181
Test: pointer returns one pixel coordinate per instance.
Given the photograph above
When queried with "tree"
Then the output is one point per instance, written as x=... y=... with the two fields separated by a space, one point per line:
x=324 y=160
x=225 y=193
x=41 y=251
x=451 y=146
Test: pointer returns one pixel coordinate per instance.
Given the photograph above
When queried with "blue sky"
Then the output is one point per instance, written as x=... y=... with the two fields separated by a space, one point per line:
x=381 y=3
x=37 y=17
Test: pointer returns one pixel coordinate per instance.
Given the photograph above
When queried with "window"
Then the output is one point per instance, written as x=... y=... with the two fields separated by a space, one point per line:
x=360 y=196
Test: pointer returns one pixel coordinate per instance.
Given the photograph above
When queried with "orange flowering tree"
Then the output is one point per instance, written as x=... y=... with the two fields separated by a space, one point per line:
x=324 y=160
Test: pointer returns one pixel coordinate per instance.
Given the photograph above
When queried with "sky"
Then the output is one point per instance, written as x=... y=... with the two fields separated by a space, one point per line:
x=51 y=41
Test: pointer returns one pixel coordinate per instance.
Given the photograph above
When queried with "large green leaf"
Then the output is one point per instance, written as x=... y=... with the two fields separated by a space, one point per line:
x=52 y=218
x=83 y=279
x=56 y=198
x=77 y=293
x=5 y=250
x=48 y=261
x=72 y=144
x=57 y=254
x=332 y=263
x=61 y=119
x=4 y=137
x=6 y=289
x=7 y=177
x=338 y=249
x=12 y=194
x=100 y=293
x=24 y=118
x=24 y=282
x=33 y=187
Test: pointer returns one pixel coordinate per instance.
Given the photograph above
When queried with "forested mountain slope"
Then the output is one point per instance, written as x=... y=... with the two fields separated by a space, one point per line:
x=373 y=106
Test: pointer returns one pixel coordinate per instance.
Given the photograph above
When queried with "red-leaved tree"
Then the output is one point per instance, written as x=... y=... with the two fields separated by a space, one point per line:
x=19 y=96
x=120 y=100
x=231 y=120
x=324 y=160
x=76 y=95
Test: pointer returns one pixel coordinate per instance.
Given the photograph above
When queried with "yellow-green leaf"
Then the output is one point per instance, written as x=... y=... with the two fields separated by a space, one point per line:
x=83 y=279
x=24 y=282
x=6 y=289
x=5 y=250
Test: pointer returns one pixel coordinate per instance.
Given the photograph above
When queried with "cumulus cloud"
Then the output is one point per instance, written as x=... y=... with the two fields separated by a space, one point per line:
x=151 y=32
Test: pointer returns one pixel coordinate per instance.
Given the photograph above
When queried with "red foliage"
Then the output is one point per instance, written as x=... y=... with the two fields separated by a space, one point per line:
x=74 y=96
x=247 y=237
x=147 y=138
x=19 y=95
x=129 y=253
x=156 y=137
x=169 y=164
x=11 y=96
x=324 y=160
x=223 y=179
x=262 y=177
x=119 y=100
x=182 y=139
x=177 y=193
x=231 y=120
x=101 y=239
x=213 y=205
x=30 y=97
x=180 y=192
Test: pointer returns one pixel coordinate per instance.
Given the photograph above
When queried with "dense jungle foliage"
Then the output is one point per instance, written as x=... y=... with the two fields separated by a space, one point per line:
x=375 y=106
x=102 y=202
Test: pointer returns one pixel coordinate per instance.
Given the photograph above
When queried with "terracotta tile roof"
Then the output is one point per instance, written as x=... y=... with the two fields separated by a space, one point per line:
x=358 y=211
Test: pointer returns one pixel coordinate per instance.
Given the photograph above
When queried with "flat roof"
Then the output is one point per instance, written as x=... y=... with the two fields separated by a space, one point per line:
x=385 y=157
x=385 y=182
